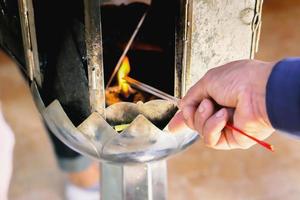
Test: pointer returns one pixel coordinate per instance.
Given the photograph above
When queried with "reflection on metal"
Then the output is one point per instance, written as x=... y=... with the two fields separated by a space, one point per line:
x=58 y=121
x=140 y=142
x=94 y=51
x=132 y=161
x=95 y=128
x=143 y=181
x=37 y=97
x=26 y=13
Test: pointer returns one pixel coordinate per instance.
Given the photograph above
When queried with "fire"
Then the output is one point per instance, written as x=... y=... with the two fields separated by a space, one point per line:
x=122 y=73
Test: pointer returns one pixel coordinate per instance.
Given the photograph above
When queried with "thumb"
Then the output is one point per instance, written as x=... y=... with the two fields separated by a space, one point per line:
x=195 y=94
x=177 y=123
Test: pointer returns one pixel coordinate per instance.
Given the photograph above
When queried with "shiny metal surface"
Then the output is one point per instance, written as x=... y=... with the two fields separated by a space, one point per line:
x=140 y=142
x=141 y=181
x=62 y=127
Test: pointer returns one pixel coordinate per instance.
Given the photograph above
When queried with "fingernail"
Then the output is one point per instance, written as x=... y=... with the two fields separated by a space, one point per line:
x=201 y=109
x=202 y=106
x=220 y=113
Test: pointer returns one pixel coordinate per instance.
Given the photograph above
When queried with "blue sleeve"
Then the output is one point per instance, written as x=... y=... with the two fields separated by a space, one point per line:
x=283 y=96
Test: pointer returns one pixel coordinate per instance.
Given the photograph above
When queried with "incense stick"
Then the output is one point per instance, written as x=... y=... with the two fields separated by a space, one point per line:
x=147 y=88
x=262 y=143
x=150 y=89
x=128 y=45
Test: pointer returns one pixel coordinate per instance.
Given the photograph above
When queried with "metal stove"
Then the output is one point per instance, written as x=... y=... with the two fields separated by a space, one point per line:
x=208 y=33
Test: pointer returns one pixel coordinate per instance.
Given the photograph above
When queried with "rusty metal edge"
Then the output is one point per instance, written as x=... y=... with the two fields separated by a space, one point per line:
x=93 y=38
x=182 y=48
x=26 y=13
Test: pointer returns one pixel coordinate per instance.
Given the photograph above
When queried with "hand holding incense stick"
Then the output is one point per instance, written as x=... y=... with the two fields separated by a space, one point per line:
x=163 y=95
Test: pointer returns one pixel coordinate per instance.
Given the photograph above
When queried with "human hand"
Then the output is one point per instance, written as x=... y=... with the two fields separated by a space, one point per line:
x=240 y=88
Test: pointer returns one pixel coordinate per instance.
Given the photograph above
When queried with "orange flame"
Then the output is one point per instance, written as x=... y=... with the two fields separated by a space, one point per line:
x=122 y=73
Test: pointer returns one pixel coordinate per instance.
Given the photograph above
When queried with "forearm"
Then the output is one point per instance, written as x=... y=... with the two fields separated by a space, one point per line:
x=283 y=96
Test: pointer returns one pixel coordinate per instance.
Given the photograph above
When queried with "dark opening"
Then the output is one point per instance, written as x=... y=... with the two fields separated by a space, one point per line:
x=62 y=53
x=152 y=53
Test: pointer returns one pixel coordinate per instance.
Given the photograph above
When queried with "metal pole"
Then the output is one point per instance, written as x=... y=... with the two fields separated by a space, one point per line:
x=146 y=181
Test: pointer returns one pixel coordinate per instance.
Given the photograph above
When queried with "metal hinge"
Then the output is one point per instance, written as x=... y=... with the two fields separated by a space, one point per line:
x=256 y=27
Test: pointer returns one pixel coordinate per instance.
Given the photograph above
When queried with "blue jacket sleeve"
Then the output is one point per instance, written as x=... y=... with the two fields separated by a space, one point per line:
x=283 y=96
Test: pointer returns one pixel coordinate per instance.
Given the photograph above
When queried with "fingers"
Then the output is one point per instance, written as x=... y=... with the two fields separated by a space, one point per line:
x=223 y=143
x=188 y=113
x=212 y=129
x=216 y=136
x=211 y=126
x=231 y=142
x=191 y=100
x=177 y=123
x=194 y=96
x=242 y=141
x=205 y=122
x=203 y=112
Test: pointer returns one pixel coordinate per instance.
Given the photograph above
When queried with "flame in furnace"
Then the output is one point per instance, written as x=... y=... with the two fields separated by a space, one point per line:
x=122 y=73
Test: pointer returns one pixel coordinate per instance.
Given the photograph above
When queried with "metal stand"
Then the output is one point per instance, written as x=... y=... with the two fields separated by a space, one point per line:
x=140 y=181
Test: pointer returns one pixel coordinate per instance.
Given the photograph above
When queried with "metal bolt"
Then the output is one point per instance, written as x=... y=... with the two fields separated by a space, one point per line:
x=246 y=16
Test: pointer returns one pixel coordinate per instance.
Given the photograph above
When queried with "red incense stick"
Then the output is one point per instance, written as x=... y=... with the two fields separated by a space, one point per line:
x=262 y=143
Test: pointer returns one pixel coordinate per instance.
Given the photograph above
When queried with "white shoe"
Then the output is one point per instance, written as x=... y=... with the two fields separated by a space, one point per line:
x=73 y=192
